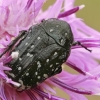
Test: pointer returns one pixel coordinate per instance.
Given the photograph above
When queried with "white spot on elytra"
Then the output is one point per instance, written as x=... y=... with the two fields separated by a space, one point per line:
x=28 y=37
x=51 y=30
x=57 y=63
x=52 y=69
x=66 y=34
x=36 y=73
x=32 y=46
x=51 y=65
x=20 y=59
x=31 y=55
x=19 y=68
x=57 y=25
x=56 y=69
x=39 y=64
x=38 y=38
x=55 y=53
x=47 y=60
x=26 y=43
x=27 y=74
x=15 y=54
x=61 y=40
x=45 y=75
x=38 y=77
x=28 y=54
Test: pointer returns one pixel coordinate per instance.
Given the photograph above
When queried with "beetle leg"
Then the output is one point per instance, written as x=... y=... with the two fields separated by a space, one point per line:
x=12 y=43
x=79 y=43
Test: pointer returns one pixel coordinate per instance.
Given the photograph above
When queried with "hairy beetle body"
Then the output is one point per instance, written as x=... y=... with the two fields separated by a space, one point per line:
x=41 y=53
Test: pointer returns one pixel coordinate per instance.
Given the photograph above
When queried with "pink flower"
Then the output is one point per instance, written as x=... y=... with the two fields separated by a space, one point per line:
x=19 y=15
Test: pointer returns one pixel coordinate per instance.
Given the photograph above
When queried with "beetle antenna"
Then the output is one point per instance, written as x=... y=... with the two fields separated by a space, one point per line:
x=79 y=43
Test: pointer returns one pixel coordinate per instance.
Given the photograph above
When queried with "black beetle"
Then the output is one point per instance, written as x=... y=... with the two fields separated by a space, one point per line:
x=42 y=50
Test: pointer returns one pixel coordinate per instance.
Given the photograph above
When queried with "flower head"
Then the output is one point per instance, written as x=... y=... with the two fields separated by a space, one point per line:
x=17 y=16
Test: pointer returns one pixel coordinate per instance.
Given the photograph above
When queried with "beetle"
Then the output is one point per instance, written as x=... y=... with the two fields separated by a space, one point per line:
x=42 y=50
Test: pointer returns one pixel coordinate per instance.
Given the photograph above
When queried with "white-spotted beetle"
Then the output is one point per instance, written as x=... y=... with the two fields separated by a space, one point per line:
x=42 y=50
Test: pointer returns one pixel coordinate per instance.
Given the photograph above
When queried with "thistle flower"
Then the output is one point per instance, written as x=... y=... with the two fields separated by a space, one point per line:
x=19 y=15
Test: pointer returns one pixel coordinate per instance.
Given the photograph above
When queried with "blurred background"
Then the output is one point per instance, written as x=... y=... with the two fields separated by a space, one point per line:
x=91 y=16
